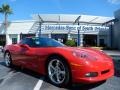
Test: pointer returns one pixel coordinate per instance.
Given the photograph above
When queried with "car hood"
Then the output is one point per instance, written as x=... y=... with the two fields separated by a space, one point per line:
x=85 y=49
x=103 y=60
x=93 y=52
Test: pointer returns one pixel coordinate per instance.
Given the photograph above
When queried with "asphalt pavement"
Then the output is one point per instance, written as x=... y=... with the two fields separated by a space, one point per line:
x=17 y=79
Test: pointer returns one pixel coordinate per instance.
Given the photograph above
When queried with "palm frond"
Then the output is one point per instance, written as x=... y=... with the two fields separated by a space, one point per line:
x=6 y=9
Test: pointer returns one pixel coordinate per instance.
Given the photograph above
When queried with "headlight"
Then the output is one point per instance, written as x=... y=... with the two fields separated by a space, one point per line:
x=80 y=54
x=84 y=55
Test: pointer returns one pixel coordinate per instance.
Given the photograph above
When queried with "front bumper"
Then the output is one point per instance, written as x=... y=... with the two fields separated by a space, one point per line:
x=79 y=71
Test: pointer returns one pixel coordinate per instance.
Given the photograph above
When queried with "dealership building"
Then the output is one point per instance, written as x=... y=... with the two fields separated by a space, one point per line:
x=116 y=30
x=85 y=30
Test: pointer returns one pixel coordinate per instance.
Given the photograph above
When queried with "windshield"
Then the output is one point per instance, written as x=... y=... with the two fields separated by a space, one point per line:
x=44 y=42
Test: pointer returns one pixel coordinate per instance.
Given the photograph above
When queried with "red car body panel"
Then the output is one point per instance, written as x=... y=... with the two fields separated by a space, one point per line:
x=36 y=58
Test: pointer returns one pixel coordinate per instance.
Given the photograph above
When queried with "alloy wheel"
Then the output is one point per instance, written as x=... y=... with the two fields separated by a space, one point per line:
x=7 y=59
x=56 y=71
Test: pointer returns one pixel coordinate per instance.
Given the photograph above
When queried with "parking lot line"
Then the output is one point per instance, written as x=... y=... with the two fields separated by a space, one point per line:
x=38 y=85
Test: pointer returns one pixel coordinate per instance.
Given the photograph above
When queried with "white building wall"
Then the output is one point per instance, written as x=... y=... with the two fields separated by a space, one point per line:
x=12 y=36
x=15 y=28
x=20 y=27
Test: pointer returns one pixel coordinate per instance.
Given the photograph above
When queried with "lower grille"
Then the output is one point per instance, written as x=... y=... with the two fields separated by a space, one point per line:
x=105 y=71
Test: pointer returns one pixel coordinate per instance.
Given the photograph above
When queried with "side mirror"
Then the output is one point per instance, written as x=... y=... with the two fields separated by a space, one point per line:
x=25 y=46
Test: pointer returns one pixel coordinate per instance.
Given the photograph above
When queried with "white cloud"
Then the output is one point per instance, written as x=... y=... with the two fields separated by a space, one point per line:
x=114 y=1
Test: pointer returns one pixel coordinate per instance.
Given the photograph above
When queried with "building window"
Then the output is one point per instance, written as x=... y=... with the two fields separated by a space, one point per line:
x=14 y=40
x=102 y=42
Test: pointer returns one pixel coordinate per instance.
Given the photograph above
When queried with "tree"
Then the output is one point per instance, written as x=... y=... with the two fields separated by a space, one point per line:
x=70 y=43
x=6 y=10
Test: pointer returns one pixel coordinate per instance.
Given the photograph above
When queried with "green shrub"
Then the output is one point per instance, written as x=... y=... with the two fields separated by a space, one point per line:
x=70 y=43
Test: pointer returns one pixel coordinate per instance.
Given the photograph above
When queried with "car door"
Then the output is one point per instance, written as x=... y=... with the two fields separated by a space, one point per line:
x=28 y=54
x=18 y=53
x=15 y=54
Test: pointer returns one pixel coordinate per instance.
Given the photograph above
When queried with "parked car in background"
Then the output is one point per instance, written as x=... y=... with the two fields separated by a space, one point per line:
x=60 y=63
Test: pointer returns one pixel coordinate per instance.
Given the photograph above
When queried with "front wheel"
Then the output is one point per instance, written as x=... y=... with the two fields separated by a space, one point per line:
x=58 y=71
x=7 y=58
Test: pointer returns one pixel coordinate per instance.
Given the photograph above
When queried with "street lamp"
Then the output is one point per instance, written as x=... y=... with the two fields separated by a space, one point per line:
x=78 y=33
x=78 y=44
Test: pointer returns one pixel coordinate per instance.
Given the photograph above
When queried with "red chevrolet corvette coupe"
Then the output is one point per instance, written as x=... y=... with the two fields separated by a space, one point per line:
x=60 y=63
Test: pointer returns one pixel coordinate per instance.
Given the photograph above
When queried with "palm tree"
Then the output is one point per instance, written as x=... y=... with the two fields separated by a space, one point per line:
x=6 y=10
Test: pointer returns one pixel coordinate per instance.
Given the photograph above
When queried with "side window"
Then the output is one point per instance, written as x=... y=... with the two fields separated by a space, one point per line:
x=27 y=41
x=23 y=41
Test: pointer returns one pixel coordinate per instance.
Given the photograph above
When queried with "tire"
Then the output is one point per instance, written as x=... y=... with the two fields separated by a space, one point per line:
x=58 y=72
x=8 y=60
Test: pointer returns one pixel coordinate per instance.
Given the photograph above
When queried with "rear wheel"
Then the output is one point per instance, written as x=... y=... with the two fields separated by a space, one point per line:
x=7 y=59
x=58 y=71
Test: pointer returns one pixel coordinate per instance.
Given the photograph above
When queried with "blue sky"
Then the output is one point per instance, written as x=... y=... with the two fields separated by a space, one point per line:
x=23 y=9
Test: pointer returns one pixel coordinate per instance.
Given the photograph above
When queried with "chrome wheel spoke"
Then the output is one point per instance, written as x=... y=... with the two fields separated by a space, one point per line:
x=8 y=61
x=62 y=72
x=57 y=77
x=52 y=67
x=57 y=64
x=52 y=76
